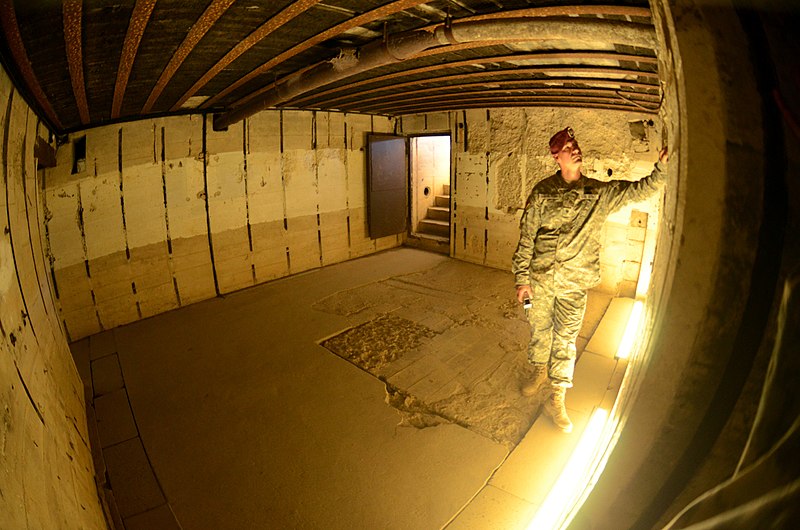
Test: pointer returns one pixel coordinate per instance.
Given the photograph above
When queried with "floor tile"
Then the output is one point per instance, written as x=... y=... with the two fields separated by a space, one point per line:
x=106 y=375
x=131 y=477
x=114 y=418
x=160 y=518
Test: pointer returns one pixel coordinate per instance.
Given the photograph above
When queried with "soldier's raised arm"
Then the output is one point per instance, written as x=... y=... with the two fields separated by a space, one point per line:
x=625 y=192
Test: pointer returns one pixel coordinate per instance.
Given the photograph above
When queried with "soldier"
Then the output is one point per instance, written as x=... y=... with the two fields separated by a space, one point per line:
x=558 y=259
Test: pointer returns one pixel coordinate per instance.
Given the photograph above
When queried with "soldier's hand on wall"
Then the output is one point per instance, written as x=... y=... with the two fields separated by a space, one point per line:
x=663 y=155
x=523 y=292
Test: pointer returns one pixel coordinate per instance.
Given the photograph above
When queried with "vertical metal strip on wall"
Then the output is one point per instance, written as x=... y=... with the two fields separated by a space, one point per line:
x=205 y=198
x=245 y=149
x=170 y=257
x=8 y=228
x=25 y=191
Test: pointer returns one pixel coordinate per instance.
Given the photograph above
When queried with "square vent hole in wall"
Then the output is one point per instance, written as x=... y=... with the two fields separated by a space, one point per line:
x=79 y=155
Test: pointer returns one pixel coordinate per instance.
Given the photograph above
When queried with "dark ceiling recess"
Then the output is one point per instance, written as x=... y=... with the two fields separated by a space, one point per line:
x=85 y=63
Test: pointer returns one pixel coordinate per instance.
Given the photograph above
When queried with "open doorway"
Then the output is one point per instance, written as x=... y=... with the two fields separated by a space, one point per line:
x=430 y=188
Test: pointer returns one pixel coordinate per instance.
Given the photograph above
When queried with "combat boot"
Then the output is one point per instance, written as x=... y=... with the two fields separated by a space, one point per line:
x=554 y=408
x=537 y=378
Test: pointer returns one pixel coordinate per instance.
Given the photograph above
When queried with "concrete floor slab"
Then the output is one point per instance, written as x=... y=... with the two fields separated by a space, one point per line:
x=115 y=421
x=135 y=487
x=494 y=508
x=249 y=423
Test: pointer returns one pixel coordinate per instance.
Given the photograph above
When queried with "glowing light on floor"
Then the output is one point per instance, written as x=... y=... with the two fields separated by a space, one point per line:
x=631 y=331
x=571 y=483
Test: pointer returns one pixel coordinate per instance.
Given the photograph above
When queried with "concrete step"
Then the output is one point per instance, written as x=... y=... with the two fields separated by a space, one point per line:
x=446 y=189
x=442 y=200
x=434 y=227
x=429 y=242
x=440 y=213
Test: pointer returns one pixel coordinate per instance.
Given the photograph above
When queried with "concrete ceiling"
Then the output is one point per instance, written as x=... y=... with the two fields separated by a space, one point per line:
x=89 y=63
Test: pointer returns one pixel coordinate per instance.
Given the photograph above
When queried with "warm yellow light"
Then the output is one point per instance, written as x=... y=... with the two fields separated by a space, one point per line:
x=631 y=329
x=569 y=486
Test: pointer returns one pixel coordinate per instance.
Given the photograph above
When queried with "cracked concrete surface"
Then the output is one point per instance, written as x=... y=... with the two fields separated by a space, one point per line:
x=448 y=342
x=241 y=386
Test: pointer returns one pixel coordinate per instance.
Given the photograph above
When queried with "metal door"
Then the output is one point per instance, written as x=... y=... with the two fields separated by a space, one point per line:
x=387 y=185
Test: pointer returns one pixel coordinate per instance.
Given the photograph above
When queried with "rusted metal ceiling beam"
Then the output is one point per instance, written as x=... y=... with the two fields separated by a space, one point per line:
x=72 y=11
x=399 y=47
x=365 y=18
x=8 y=20
x=577 y=73
x=456 y=64
x=591 y=81
x=458 y=93
x=518 y=13
x=139 y=18
x=519 y=83
x=449 y=106
x=489 y=98
x=483 y=60
x=209 y=17
x=288 y=13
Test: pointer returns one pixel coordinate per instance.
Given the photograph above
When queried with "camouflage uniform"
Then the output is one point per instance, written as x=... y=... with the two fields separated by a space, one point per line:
x=558 y=255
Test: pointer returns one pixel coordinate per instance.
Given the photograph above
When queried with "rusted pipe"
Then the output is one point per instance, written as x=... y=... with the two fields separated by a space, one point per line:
x=402 y=46
x=585 y=30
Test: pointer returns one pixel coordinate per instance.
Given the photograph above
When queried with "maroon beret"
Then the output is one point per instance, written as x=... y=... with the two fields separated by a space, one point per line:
x=560 y=138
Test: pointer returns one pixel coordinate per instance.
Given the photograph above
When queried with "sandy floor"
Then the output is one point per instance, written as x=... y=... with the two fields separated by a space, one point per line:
x=377 y=393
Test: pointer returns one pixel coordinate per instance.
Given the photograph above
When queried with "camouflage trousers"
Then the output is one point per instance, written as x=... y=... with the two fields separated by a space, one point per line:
x=555 y=319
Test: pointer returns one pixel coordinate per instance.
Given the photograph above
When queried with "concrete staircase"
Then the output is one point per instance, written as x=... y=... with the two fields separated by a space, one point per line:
x=436 y=223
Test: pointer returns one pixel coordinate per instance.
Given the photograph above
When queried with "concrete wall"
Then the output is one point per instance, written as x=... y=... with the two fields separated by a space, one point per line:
x=46 y=471
x=691 y=401
x=168 y=212
x=500 y=154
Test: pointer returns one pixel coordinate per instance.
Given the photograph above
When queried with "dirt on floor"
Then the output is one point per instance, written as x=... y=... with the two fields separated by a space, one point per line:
x=446 y=351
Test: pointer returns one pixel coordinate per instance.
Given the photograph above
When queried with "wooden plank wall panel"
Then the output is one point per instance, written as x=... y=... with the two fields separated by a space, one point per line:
x=266 y=196
x=17 y=408
x=61 y=366
x=15 y=157
x=35 y=220
x=44 y=422
x=104 y=229
x=282 y=193
x=302 y=192
x=25 y=163
x=227 y=207
x=413 y=124
x=438 y=122
x=358 y=125
x=68 y=256
x=332 y=178
x=186 y=208
x=502 y=238
x=145 y=217
x=469 y=218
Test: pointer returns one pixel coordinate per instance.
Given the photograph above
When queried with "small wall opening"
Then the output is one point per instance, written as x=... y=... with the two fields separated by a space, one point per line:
x=79 y=155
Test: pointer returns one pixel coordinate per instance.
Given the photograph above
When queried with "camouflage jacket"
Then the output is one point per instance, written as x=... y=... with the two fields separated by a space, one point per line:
x=560 y=229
